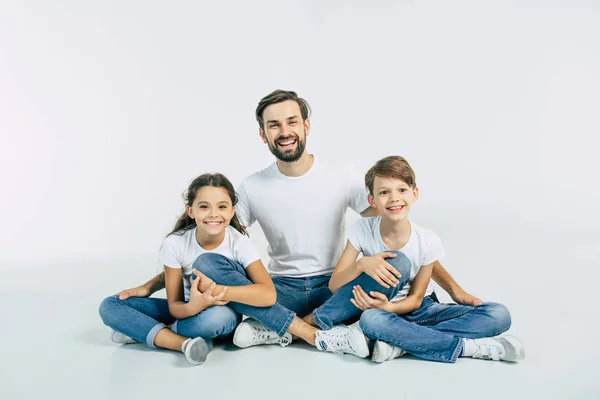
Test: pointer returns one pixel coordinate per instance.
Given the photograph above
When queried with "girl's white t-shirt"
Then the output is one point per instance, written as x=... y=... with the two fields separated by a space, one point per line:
x=181 y=250
x=423 y=247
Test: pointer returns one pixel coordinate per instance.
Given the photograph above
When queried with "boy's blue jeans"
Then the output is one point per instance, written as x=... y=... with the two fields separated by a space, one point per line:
x=142 y=319
x=431 y=332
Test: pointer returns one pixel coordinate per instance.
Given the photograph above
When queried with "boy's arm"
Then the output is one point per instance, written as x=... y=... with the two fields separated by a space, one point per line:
x=346 y=269
x=417 y=292
x=147 y=289
x=446 y=282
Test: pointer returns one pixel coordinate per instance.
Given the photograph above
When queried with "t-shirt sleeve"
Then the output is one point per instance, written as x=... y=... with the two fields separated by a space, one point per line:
x=242 y=208
x=169 y=254
x=243 y=250
x=357 y=192
x=356 y=234
x=433 y=250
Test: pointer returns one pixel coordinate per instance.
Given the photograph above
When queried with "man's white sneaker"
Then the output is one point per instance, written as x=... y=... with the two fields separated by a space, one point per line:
x=383 y=351
x=120 y=338
x=252 y=333
x=500 y=348
x=343 y=339
x=196 y=350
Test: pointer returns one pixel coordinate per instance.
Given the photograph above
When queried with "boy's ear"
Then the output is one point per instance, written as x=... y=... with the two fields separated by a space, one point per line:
x=371 y=200
x=261 y=132
x=416 y=193
x=189 y=211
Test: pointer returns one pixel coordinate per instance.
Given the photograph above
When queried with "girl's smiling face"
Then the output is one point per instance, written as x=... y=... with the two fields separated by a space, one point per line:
x=212 y=210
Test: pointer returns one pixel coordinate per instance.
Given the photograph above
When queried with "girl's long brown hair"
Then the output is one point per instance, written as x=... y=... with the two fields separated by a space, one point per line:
x=185 y=223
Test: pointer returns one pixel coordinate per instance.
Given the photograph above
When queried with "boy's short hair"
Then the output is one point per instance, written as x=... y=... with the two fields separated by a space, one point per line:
x=395 y=167
x=279 y=96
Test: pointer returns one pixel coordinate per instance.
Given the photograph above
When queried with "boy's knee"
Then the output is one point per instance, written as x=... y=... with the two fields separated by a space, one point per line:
x=500 y=317
x=400 y=262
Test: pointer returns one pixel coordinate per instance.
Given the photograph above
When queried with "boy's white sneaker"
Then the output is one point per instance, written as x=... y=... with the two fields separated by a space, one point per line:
x=499 y=348
x=252 y=333
x=118 y=337
x=196 y=350
x=383 y=351
x=343 y=339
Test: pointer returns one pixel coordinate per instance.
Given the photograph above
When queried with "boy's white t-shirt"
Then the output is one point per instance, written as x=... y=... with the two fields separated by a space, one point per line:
x=303 y=218
x=423 y=247
x=180 y=251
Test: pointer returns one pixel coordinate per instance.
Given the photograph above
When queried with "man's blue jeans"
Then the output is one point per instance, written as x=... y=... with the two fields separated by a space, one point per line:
x=142 y=319
x=227 y=272
x=434 y=331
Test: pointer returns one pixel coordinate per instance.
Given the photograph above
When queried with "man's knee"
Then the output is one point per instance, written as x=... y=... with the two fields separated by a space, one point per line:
x=500 y=317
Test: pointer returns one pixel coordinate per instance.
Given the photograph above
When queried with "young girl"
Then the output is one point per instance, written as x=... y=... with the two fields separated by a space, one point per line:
x=196 y=308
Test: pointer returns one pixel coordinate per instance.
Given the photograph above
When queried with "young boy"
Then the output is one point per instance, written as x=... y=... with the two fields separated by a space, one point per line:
x=398 y=259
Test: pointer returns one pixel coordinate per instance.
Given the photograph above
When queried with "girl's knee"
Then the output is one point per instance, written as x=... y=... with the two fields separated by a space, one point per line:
x=108 y=308
x=210 y=323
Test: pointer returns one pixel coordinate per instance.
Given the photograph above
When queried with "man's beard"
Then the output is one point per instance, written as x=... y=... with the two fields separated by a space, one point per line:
x=289 y=156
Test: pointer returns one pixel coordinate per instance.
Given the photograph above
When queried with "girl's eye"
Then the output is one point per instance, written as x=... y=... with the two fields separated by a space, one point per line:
x=202 y=207
x=223 y=207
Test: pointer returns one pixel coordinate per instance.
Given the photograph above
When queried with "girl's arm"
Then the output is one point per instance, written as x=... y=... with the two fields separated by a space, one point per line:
x=417 y=292
x=198 y=301
x=260 y=293
x=147 y=289
x=346 y=269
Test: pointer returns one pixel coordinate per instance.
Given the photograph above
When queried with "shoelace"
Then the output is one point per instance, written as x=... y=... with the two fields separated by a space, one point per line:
x=262 y=332
x=488 y=351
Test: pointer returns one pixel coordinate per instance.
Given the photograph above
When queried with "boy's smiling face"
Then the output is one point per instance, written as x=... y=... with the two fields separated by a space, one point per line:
x=393 y=198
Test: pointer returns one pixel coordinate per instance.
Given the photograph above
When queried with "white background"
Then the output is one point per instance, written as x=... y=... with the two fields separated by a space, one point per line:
x=109 y=109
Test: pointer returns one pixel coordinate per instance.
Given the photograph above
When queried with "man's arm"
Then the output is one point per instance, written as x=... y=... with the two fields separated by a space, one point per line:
x=146 y=290
x=445 y=280
x=369 y=212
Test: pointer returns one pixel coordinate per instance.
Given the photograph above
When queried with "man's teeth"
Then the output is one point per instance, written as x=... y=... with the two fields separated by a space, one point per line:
x=286 y=142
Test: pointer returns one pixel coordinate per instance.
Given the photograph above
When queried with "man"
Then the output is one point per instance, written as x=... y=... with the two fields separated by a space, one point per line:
x=300 y=202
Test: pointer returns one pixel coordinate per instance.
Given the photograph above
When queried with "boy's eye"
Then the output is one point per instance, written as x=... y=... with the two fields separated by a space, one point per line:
x=383 y=192
x=402 y=190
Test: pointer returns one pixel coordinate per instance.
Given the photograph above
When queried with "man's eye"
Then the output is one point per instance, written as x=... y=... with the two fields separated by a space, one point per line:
x=292 y=122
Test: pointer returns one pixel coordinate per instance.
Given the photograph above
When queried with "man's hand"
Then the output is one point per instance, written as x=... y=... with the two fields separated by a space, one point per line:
x=379 y=269
x=202 y=300
x=467 y=299
x=364 y=302
x=140 y=291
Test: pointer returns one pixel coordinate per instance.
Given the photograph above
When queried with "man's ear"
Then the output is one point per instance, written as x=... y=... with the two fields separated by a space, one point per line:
x=261 y=132
x=306 y=126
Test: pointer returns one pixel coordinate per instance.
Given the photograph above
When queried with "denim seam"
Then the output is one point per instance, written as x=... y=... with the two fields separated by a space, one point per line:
x=393 y=341
x=455 y=315
x=287 y=324
x=319 y=321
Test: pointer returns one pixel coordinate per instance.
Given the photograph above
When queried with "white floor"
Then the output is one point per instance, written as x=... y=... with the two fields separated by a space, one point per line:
x=54 y=344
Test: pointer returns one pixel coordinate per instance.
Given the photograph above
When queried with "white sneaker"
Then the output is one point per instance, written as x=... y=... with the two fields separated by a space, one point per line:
x=252 y=333
x=120 y=338
x=383 y=351
x=343 y=339
x=504 y=348
x=196 y=350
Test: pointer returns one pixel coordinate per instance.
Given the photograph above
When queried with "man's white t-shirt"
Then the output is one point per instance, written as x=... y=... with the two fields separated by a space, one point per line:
x=180 y=251
x=423 y=247
x=303 y=218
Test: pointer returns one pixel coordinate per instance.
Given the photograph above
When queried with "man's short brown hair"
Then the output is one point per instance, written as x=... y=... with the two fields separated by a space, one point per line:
x=394 y=167
x=279 y=96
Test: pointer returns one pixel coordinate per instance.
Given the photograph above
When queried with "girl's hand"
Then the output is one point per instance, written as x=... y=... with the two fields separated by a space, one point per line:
x=140 y=291
x=204 y=283
x=379 y=269
x=200 y=301
x=364 y=302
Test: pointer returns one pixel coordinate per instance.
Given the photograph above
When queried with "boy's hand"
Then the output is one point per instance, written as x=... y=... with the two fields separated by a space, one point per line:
x=379 y=269
x=364 y=302
x=202 y=300
x=465 y=298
